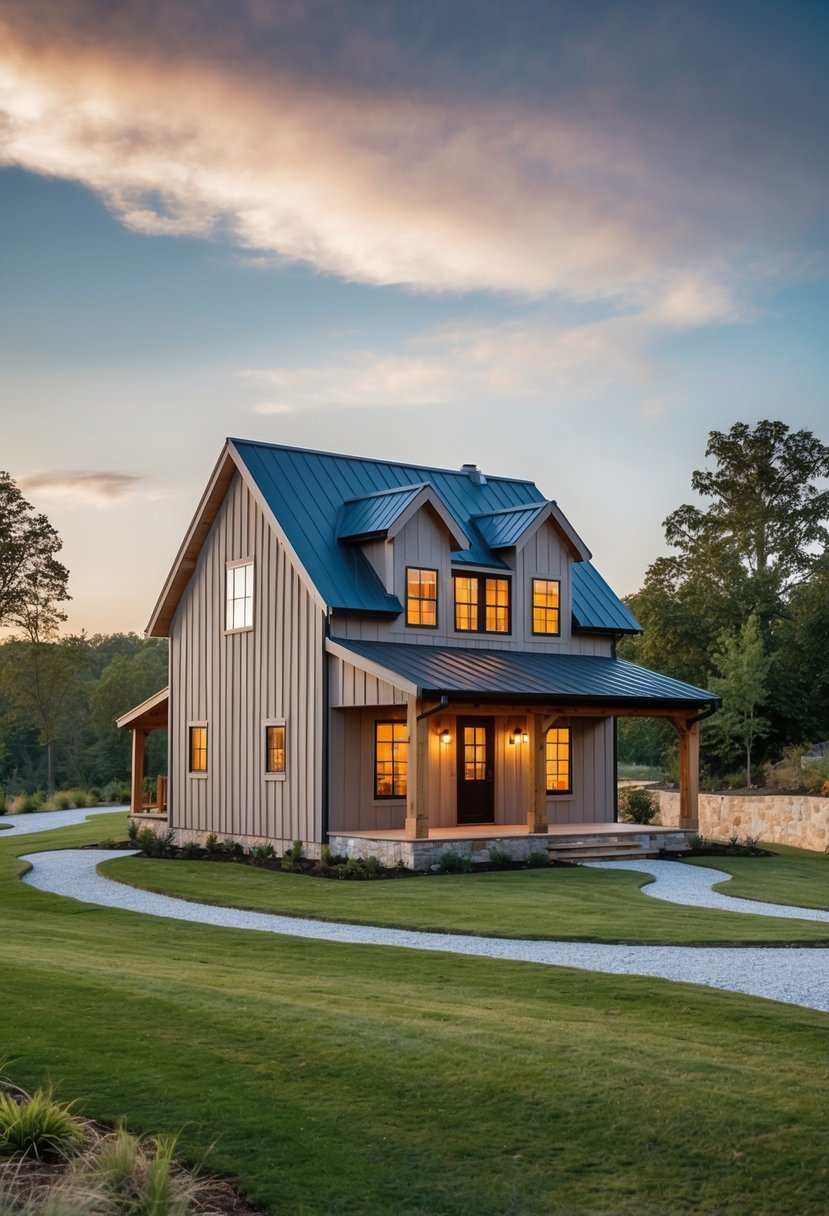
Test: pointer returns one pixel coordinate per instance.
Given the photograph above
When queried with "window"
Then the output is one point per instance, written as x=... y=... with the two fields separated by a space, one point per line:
x=421 y=597
x=198 y=748
x=391 y=759
x=482 y=604
x=558 y=760
x=239 y=596
x=275 y=749
x=546 y=605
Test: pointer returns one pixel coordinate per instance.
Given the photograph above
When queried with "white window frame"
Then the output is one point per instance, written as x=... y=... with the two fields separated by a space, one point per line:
x=198 y=774
x=265 y=724
x=231 y=600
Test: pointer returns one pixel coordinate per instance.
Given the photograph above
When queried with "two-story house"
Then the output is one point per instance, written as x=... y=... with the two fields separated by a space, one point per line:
x=387 y=656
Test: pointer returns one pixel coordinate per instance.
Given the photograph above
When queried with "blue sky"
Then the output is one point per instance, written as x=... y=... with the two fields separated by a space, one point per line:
x=562 y=241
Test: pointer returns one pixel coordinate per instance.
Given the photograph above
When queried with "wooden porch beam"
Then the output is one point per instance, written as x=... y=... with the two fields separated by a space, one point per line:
x=689 y=777
x=417 y=787
x=554 y=710
x=137 y=797
x=537 y=784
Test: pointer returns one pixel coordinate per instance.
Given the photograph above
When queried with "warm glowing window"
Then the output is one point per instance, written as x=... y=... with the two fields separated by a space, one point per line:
x=474 y=753
x=546 y=605
x=421 y=597
x=559 y=747
x=391 y=759
x=198 y=749
x=275 y=748
x=239 y=596
x=482 y=604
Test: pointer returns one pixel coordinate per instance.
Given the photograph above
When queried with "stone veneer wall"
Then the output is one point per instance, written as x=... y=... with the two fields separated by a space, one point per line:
x=794 y=819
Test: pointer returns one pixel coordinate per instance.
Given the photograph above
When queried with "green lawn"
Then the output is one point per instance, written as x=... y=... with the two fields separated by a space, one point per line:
x=567 y=903
x=790 y=876
x=349 y=1079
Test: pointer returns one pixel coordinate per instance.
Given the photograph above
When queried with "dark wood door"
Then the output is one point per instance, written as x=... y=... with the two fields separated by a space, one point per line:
x=476 y=758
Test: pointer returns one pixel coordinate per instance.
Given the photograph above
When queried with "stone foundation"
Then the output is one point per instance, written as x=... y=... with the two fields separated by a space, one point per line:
x=188 y=835
x=793 y=819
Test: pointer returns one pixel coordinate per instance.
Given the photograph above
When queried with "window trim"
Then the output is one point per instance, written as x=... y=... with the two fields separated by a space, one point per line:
x=421 y=600
x=275 y=774
x=569 y=790
x=389 y=797
x=544 y=633
x=234 y=565
x=482 y=579
x=199 y=773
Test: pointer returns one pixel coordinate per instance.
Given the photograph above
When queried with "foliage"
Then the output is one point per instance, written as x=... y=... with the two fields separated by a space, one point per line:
x=637 y=805
x=792 y=776
x=37 y=1125
x=293 y=856
x=33 y=583
x=155 y=844
x=454 y=863
x=536 y=860
x=500 y=857
x=358 y=868
x=743 y=667
x=261 y=854
x=212 y=846
x=132 y=830
x=234 y=849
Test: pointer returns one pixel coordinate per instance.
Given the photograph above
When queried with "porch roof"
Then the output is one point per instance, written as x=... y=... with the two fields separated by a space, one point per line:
x=460 y=673
x=149 y=715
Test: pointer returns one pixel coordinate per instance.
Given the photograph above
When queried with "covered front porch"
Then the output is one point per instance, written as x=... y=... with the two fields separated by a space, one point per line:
x=149 y=716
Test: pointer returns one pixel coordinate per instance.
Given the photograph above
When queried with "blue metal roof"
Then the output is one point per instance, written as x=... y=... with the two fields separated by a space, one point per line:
x=503 y=529
x=374 y=514
x=307 y=492
x=595 y=606
x=563 y=678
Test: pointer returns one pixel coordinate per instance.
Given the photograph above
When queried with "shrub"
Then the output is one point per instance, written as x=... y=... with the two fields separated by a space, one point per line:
x=637 y=805
x=190 y=850
x=60 y=802
x=38 y=1126
x=155 y=844
x=359 y=868
x=536 y=860
x=23 y=804
x=261 y=854
x=293 y=856
x=326 y=856
x=212 y=846
x=696 y=842
x=234 y=849
x=3 y=803
x=116 y=791
x=132 y=830
x=500 y=857
x=453 y=863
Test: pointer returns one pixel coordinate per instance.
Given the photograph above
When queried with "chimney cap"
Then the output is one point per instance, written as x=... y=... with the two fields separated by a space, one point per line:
x=474 y=474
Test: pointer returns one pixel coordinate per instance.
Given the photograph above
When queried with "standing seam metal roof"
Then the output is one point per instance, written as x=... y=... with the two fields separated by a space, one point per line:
x=307 y=490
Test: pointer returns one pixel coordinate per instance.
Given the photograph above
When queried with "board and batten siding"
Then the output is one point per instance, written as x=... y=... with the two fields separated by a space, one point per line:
x=423 y=542
x=236 y=682
x=353 y=806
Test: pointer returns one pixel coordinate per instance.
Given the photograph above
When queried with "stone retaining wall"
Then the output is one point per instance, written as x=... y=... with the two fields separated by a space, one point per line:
x=421 y=854
x=794 y=819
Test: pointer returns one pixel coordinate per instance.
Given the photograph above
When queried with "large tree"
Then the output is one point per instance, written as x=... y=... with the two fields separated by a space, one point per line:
x=743 y=667
x=33 y=583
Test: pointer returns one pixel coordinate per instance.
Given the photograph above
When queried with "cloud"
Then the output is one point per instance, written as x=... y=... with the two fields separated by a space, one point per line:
x=97 y=488
x=390 y=184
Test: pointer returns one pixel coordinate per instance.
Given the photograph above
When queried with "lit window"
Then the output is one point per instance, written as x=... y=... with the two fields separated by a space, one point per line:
x=239 y=596
x=198 y=749
x=558 y=760
x=546 y=605
x=476 y=592
x=275 y=748
x=421 y=597
x=391 y=759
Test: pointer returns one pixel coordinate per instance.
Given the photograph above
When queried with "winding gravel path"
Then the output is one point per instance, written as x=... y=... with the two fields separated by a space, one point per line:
x=794 y=975
x=46 y=821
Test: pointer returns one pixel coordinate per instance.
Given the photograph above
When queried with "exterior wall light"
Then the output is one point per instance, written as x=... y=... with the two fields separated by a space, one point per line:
x=518 y=736
x=445 y=736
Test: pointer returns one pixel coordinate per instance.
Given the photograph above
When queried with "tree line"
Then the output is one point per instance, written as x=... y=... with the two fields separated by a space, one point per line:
x=740 y=606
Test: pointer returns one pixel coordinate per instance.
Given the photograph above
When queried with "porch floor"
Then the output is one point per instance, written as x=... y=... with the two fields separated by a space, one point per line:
x=497 y=831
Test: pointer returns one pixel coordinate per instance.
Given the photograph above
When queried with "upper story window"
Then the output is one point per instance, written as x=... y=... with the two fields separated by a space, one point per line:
x=546 y=606
x=482 y=604
x=421 y=597
x=559 y=767
x=239 y=595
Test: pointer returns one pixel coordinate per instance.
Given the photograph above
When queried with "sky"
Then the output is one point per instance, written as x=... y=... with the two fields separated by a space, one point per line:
x=563 y=241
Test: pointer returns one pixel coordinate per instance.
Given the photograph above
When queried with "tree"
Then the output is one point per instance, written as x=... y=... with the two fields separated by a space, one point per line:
x=127 y=681
x=32 y=581
x=743 y=667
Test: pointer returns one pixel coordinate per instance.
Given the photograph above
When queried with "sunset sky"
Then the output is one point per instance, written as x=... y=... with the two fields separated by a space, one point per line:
x=560 y=240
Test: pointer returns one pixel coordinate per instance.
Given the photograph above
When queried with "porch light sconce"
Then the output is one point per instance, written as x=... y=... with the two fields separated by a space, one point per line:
x=518 y=736
x=445 y=736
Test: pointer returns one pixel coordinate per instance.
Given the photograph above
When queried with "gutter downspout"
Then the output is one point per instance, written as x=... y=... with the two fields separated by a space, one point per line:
x=706 y=713
x=326 y=712
x=427 y=713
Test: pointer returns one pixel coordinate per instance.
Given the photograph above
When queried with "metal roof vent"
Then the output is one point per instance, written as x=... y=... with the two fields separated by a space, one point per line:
x=474 y=474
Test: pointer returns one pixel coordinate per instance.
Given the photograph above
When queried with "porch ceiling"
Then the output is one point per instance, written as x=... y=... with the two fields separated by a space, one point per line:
x=462 y=674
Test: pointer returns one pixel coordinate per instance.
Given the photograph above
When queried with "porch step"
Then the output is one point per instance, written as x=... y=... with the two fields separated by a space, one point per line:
x=604 y=850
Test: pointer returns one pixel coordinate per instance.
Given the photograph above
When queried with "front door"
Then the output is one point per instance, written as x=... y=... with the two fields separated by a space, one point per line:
x=476 y=787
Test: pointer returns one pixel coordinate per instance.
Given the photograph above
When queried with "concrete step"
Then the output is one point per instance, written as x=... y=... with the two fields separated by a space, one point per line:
x=600 y=851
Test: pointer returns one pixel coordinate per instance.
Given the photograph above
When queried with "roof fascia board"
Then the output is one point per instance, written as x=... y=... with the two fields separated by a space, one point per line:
x=370 y=667
x=261 y=501
x=191 y=546
x=428 y=497
x=562 y=523
x=158 y=698
x=552 y=512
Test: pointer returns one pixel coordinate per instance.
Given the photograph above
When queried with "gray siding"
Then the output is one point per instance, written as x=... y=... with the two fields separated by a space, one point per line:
x=235 y=682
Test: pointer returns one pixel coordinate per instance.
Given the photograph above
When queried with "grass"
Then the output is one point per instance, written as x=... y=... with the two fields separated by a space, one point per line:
x=340 y=1079
x=571 y=903
x=789 y=876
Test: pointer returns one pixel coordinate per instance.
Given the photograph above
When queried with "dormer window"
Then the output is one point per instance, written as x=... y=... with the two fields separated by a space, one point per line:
x=546 y=606
x=482 y=604
x=421 y=597
x=239 y=596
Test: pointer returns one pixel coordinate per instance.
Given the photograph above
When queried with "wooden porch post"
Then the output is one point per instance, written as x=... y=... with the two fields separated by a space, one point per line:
x=537 y=784
x=417 y=796
x=688 y=776
x=137 y=800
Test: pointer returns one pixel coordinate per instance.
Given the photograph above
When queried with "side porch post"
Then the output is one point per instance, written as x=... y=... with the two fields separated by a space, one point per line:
x=537 y=784
x=137 y=799
x=688 y=775
x=417 y=796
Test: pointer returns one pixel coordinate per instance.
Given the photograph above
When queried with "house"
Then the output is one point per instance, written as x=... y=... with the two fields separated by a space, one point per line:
x=386 y=657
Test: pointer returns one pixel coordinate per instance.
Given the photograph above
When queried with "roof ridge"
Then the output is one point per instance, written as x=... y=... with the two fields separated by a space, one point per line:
x=413 y=485
x=519 y=506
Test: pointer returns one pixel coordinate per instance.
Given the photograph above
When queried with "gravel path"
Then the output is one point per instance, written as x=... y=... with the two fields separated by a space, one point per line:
x=46 y=821
x=796 y=976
